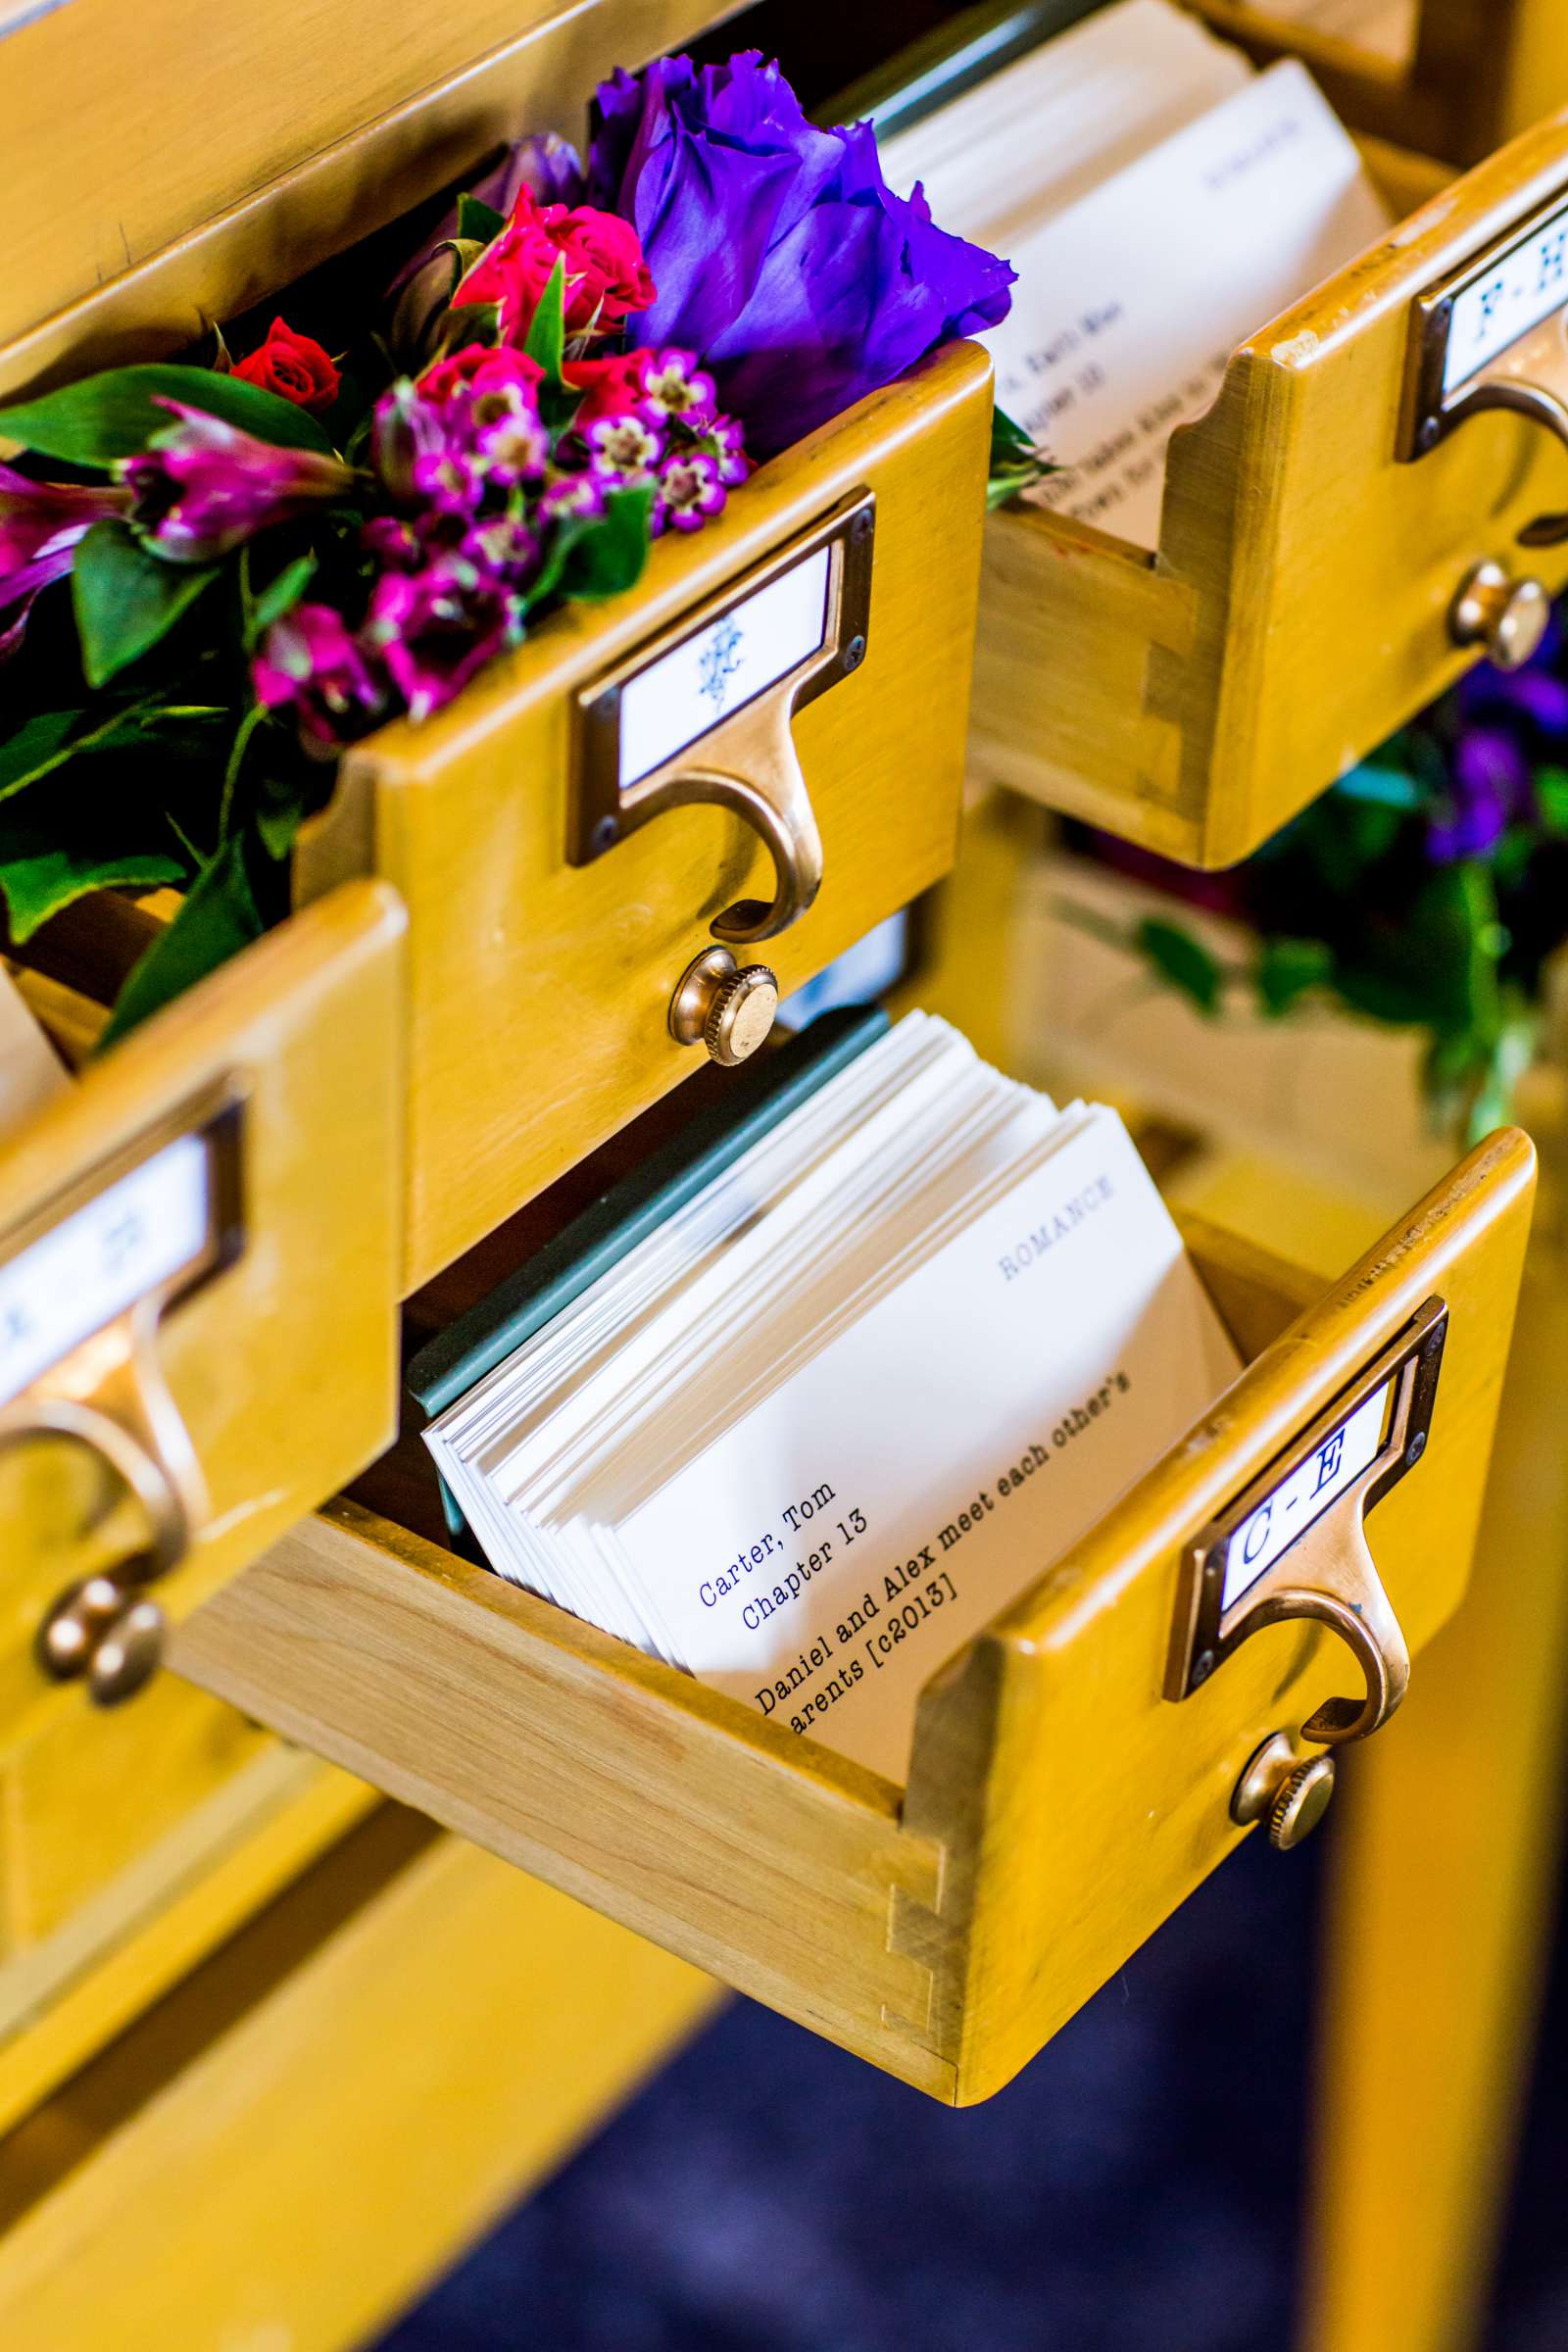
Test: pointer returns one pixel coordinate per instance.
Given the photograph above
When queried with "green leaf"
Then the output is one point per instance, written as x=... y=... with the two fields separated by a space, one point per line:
x=278 y=821
x=546 y=339
x=467 y=323
x=216 y=921
x=47 y=742
x=278 y=597
x=113 y=414
x=38 y=876
x=1008 y=436
x=125 y=598
x=479 y=220
x=1551 y=799
x=1182 y=962
x=43 y=743
x=1286 y=968
x=607 y=558
x=1016 y=462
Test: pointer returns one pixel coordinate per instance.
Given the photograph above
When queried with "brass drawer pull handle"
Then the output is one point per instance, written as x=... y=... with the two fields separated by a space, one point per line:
x=704 y=715
x=1542 y=408
x=759 y=781
x=111 y=1396
x=1292 y=1547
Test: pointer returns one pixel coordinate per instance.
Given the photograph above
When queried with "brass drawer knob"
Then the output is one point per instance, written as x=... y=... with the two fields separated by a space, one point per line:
x=1507 y=617
x=1289 y=1792
x=104 y=1636
x=728 y=1007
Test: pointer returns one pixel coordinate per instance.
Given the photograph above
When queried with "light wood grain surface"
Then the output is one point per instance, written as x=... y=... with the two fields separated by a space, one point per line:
x=285 y=1365
x=170 y=165
x=540 y=990
x=1295 y=611
x=284 y=2151
x=1058 y=1807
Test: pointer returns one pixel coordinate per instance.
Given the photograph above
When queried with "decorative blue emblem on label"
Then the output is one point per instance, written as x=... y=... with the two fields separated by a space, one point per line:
x=721 y=659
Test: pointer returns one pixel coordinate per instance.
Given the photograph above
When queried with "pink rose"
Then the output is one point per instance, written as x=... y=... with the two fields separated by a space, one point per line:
x=610 y=387
x=607 y=276
x=479 y=367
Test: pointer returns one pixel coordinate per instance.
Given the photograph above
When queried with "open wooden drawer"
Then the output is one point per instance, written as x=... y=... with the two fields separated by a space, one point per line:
x=199 y=1255
x=1322 y=523
x=1059 y=1804
x=550 y=925
x=786 y=694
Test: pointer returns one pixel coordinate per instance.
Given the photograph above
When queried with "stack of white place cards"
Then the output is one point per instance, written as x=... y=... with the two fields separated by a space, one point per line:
x=818 y=1427
x=1161 y=203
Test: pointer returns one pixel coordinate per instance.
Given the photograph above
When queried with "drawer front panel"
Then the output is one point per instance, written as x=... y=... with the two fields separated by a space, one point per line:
x=1299 y=608
x=1059 y=1804
x=1093 y=1803
x=542 y=989
x=280 y=1364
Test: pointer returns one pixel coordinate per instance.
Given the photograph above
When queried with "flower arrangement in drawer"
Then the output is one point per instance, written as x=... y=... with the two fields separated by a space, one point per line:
x=1426 y=890
x=213 y=577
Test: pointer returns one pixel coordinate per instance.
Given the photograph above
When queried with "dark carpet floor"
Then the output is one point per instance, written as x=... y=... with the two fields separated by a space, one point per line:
x=1137 y=2188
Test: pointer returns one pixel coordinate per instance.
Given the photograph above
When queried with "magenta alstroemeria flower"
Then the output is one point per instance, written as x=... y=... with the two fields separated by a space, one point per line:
x=41 y=526
x=204 y=487
x=407 y=430
x=309 y=664
x=690 y=494
x=433 y=629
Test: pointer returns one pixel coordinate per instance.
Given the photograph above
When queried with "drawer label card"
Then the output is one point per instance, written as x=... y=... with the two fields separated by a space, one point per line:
x=1483 y=331
x=155 y=1228
x=760 y=649
x=1283 y=1536
x=676 y=699
x=1304 y=1496
x=1514 y=293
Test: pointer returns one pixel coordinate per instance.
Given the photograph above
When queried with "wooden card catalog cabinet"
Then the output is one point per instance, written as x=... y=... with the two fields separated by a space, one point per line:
x=756 y=753
x=1077 y=1770
x=1331 y=556
x=199 y=1257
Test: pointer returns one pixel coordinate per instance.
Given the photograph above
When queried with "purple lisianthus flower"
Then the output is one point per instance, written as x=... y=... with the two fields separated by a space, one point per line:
x=433 y=629
x=203 y=486
x=41 y=526
x=778 y=249
x=309 y=664
x=690 y=494
x=1489 y=787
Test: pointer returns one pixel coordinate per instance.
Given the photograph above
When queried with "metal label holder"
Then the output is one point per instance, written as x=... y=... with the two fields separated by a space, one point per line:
x=106 y=1389
x=1492 y=334
x=1318 y=1569
x=743 y=758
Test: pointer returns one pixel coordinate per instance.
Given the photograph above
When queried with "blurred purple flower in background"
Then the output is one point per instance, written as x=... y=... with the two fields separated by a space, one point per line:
x=1509 y=726
x=778 y=250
